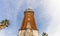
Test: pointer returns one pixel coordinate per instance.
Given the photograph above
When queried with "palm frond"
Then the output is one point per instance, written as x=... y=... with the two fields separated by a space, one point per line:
x=4 y=23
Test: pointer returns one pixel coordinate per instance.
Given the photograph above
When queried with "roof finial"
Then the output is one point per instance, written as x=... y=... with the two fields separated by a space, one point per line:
x=29 y=9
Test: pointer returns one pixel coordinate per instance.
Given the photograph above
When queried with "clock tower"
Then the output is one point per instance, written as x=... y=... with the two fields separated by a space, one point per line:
x=28 y=27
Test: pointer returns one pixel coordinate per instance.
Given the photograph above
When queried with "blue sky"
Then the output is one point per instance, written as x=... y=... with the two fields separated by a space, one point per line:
x=46 y=15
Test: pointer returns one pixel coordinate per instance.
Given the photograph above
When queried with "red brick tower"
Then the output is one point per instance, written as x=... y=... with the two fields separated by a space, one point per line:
x=28 y=27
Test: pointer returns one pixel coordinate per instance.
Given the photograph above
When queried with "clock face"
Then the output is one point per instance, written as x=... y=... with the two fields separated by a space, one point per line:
x=28 y=32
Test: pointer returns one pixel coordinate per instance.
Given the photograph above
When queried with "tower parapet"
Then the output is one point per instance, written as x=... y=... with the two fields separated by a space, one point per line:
x=29 y=9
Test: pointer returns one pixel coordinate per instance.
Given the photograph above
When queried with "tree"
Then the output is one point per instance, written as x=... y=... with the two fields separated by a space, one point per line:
x=4 y=23
x=44 y=34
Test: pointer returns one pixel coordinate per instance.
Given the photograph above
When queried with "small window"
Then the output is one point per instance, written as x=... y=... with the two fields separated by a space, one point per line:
x=28 y=23
x=28 y=13
x=28 y=18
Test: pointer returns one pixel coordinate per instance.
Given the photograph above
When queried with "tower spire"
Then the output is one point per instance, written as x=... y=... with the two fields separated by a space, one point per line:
x=28 y=27
x=29 y=18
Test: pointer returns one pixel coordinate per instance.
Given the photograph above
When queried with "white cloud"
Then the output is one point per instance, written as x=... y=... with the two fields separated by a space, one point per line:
x=34 y=3
x=53 y=8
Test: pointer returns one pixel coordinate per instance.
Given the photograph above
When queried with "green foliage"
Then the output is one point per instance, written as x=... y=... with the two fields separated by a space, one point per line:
x=5 y=22
x=2 y=22
x=44 y=34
